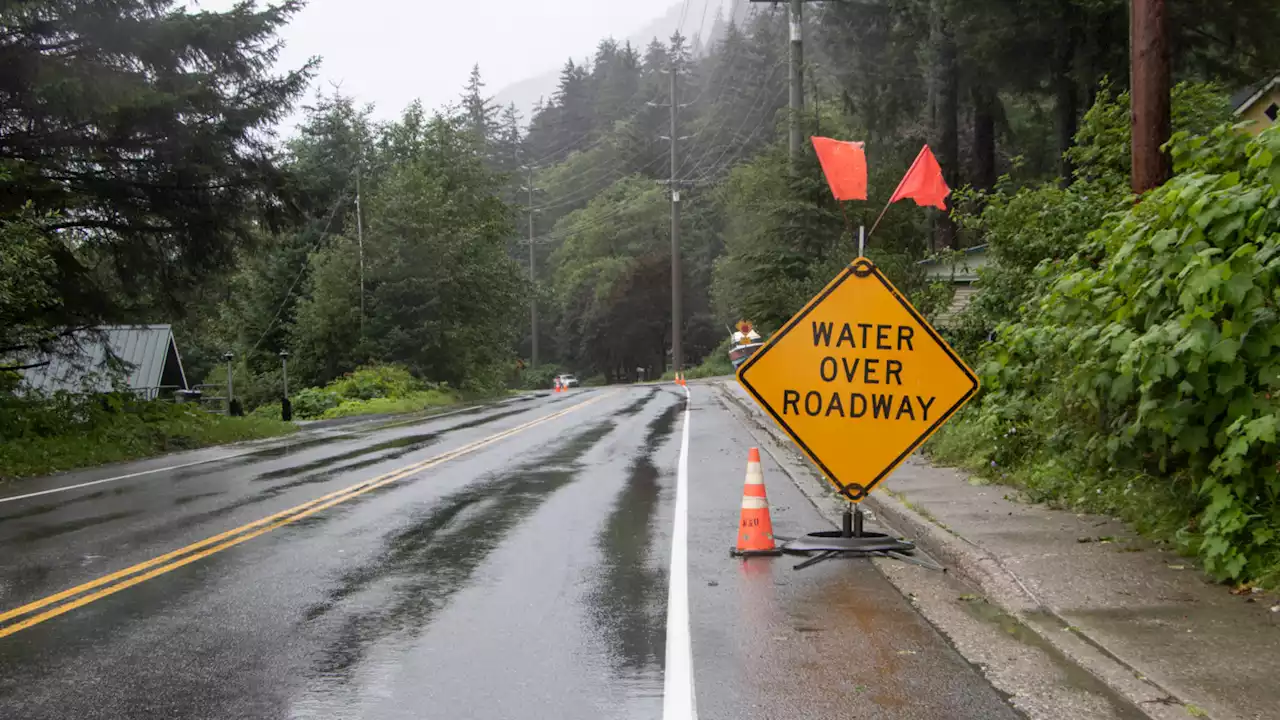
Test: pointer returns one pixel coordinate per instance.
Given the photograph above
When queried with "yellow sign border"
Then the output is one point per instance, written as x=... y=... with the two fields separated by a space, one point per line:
x=861 y=268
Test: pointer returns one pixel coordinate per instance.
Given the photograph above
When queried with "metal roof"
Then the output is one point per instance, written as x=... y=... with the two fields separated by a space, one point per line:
x=144 y=349
x=1244 y=99
x=962 y=269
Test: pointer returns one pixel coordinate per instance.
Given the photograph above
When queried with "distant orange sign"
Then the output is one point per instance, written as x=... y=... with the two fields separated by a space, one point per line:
x=858 y=379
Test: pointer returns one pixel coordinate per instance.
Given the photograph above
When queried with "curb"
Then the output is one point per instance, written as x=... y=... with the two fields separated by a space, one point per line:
x=1002 y=588
x=961 y=557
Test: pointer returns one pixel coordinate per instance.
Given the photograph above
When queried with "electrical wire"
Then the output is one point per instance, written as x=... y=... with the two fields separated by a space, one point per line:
x=757 y=109
x=577 y=196
x=342 y=197
x=574 y=197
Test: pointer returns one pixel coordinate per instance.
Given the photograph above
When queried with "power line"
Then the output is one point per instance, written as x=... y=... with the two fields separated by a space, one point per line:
x=606 y=137
x=302 y=270
x=757 y=104
x=730 y=63
x=570 y=146
x=588 y=192
x=757 y=108
x=576 y=196
x=610 y=175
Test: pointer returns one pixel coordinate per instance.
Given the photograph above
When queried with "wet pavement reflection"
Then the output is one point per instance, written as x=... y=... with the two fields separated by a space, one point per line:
x=424 y=564
x=629 y=602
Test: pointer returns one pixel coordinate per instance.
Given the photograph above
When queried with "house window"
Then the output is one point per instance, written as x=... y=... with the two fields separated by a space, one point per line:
x=1272 y=112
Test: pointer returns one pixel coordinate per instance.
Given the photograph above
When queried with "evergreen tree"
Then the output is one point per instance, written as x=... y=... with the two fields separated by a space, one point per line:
x=507 y=144
x=135 y=137
x=573 y=108
x=478 y=109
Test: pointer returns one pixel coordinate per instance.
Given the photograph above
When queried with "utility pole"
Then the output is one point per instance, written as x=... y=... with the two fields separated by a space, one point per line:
x=1150 y=84
x=797 y=74
x=360 y=241
x=796 y=13
x=677 y=291
x=533 y=279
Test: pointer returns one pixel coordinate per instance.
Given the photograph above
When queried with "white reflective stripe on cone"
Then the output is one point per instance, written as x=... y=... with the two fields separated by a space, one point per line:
x=755 y=476
x=754 y=503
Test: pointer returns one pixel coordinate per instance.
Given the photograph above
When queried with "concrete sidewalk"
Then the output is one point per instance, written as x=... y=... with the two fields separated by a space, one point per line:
x=1139 y=617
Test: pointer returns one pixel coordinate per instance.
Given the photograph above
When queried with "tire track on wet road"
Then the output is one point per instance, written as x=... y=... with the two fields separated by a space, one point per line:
x=72 y=598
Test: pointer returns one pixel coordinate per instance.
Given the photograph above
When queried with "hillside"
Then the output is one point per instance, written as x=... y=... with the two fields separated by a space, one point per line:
x=698 y=21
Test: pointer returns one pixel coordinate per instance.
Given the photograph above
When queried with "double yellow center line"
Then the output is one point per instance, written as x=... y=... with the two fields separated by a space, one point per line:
x=80 y=595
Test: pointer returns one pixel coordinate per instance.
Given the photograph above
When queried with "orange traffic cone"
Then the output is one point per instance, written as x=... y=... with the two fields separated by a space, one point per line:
x=755 y=529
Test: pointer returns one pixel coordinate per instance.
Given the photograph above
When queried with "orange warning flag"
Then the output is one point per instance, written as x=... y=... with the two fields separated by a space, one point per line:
x=845 y=164
x=924 y=182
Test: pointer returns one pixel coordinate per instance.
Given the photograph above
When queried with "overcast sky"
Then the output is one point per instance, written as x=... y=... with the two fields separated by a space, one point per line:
x=390 y=52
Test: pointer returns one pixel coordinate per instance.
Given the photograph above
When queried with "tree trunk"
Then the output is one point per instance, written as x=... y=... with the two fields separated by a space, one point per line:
x=946 y=121
x=1149 y=88
x=1065 y=89
x=984 y=137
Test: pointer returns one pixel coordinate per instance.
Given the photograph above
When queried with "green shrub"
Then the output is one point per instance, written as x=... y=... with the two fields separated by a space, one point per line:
x=1022 y=229
x=716 y=364
x=42 y=435
x=486 y=380
x=252 y=388
x=268 y=411
x=413 y=402
x=538 y=377
x=314 y=402
x=1151 y=357
x=376 y=381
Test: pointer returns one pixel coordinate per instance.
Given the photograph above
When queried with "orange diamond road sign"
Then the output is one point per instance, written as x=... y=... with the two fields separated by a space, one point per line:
x=858 y=379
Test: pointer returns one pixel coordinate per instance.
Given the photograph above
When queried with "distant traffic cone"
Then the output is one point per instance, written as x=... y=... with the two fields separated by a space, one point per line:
x=755 y=528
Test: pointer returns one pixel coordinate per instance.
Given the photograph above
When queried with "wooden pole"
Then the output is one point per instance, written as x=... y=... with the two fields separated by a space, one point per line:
x=1150 y=82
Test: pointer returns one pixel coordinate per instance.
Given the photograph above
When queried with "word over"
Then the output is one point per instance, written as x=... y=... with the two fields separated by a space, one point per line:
x=861 y=375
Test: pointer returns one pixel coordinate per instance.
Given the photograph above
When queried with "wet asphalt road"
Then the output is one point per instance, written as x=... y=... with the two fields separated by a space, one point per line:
x=511 y=561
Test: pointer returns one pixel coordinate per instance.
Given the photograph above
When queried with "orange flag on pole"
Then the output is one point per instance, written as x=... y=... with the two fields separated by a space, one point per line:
x=924 y=182
x=845 y=165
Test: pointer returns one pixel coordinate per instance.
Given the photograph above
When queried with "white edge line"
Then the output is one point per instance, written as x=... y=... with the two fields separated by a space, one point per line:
x=678 y=697
x=126 y=477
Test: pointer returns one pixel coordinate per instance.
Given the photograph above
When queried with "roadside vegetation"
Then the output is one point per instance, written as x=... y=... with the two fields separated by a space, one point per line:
x=1132 y=364
x=716 y=364
x=41 y=435
x=368 y=390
